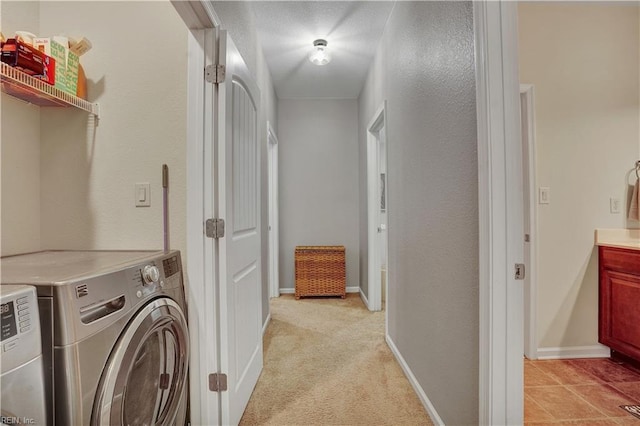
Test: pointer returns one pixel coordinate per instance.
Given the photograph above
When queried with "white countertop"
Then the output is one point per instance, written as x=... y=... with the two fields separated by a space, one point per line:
x=622 y=238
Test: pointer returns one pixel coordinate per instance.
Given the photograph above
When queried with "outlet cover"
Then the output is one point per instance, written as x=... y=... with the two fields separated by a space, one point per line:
x=614 y=205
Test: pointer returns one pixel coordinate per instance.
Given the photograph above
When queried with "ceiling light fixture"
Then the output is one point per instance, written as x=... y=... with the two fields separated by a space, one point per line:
x=320 y=56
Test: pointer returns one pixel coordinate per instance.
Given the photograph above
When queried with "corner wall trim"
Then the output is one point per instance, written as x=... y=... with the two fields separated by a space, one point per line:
x=266 y=324
x=365 y=300
x=293 y=290
x=594 y=351
x=414 y=383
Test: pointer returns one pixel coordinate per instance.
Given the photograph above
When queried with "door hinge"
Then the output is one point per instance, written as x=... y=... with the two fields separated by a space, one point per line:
x=214 y=73
x=214 y=228
x=217 y=382
x=520 y=271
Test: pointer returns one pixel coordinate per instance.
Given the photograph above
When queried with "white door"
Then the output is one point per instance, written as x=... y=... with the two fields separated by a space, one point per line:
x=272 y=159
x=238 y=197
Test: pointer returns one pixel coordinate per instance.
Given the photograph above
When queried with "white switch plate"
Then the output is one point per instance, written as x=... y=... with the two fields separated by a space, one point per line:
x=544 y=195
x=142 y=194
x=614 y=205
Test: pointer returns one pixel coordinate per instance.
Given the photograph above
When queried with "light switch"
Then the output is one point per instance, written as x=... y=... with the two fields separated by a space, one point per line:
x=143 y=194
x=614 y=205
x=544 y=195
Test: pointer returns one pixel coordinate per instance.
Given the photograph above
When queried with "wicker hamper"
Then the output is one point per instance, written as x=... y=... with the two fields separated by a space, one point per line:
x=320 y=271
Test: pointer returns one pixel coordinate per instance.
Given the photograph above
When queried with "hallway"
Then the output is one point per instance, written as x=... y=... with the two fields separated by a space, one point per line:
x=326 y=362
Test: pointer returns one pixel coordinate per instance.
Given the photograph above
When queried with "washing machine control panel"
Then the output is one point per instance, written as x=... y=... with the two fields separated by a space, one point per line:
x=171 y=266
x=157 y=275
x=19 y=324
x=8 y=312
x=150 y=274
x=16 y=311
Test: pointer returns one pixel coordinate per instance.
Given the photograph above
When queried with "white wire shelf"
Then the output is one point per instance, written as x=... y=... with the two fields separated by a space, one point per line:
x=30 y=89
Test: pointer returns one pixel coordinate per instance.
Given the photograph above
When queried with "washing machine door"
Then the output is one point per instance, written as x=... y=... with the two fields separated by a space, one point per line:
x=144 y=382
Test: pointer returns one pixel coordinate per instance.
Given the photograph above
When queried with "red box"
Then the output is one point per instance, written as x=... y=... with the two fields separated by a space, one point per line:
x=30 y=60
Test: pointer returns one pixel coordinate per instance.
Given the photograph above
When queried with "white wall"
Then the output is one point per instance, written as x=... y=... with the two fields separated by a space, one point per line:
x=68 y=184
x=238 y=19
x=583 y=60
x=20 y=177
x=424 y=68
x=137 y=73
x=20 y=150
x=318 y=149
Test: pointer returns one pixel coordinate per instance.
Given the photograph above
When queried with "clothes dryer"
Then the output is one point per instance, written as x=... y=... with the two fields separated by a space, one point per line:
x=115 y=322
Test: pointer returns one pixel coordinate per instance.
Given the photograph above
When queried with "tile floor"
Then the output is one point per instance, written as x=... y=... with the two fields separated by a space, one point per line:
x=580 y=392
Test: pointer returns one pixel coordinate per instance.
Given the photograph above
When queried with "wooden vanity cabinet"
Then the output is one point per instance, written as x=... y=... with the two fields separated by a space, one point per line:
x=619 y=301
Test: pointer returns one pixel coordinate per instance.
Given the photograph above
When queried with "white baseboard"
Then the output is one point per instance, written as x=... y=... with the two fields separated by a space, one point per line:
x=266 y=324
x=435 y=418
x=365 y=300
x=293 y=290
x=595 y=351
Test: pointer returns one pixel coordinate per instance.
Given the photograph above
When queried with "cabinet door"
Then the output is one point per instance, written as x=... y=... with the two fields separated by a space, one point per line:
x=620 y=312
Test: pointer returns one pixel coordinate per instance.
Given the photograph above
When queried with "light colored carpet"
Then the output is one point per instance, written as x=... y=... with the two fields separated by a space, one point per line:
x=326 y=363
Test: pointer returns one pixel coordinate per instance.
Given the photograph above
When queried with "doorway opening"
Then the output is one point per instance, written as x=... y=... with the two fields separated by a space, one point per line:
x=377 y=201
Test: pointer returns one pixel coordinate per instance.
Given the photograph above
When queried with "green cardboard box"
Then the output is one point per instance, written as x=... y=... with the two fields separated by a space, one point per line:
x=58 y=52
x=73 y=62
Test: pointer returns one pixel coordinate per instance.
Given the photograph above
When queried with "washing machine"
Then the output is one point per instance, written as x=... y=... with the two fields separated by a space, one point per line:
x=115 y=336
x=22 y=399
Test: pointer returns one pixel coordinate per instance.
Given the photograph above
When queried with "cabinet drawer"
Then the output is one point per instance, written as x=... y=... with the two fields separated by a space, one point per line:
x=618 y=259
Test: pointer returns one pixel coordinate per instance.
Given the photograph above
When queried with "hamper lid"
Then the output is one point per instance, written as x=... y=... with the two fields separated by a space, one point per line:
x=307 y=248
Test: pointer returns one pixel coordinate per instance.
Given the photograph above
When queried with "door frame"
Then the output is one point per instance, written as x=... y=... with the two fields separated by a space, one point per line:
x=374 y=287
x=500 y=205
x=201 y=20
x=273 y=227
x=528 y=126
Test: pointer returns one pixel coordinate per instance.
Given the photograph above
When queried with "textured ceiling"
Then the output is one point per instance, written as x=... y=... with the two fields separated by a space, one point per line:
x=287 y=30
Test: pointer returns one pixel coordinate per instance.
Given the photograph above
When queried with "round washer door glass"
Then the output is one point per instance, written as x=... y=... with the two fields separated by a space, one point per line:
x=145 y=379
